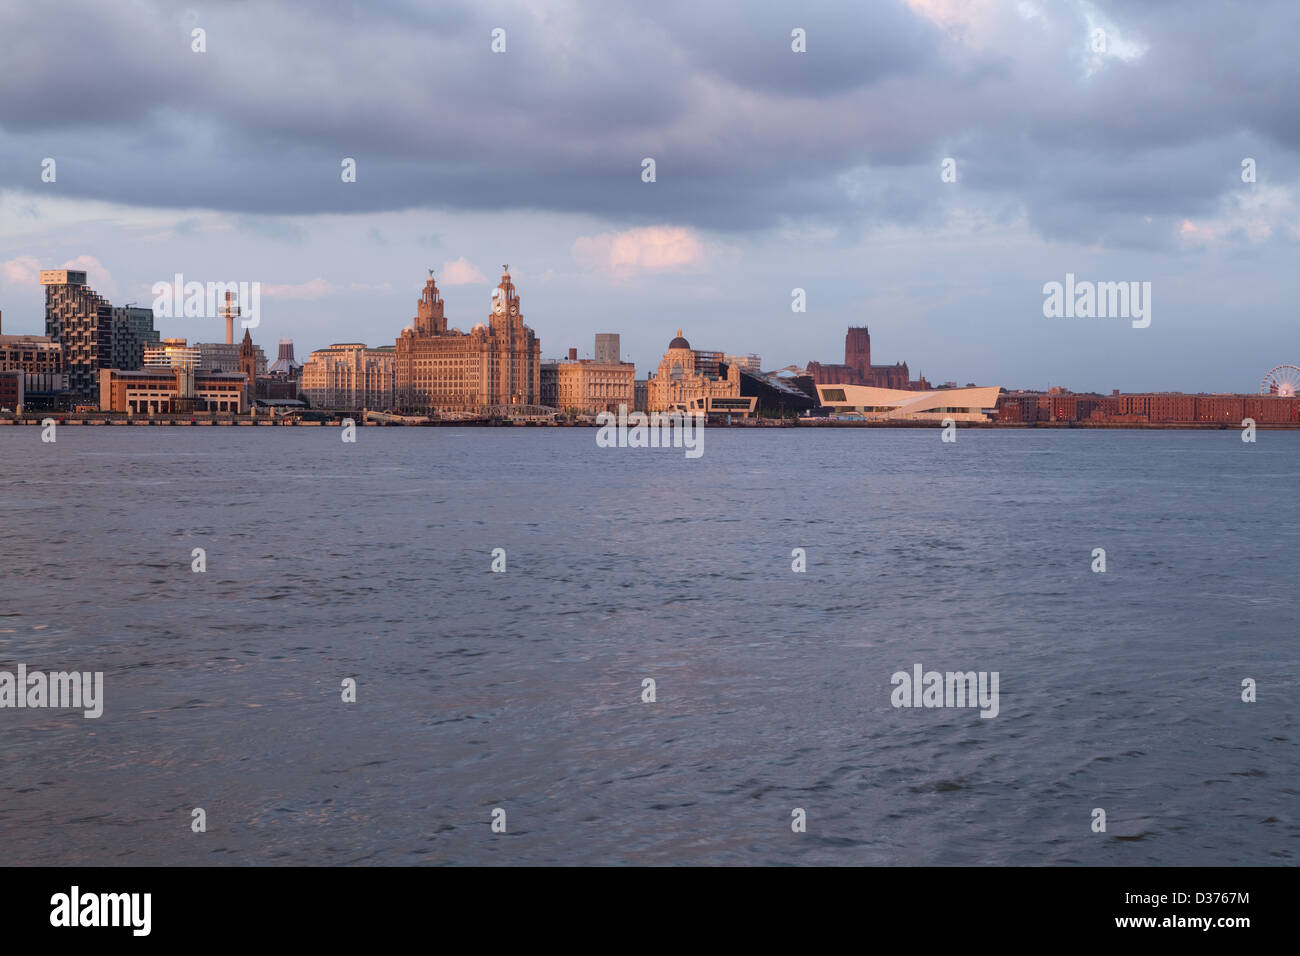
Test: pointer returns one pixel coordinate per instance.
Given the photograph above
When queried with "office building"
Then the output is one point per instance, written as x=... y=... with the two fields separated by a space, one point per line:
x=687 y=376
x=38 y=360
x=589 y=386
x=351 y=376
x=442 y=369
x=170 y=391
x=173 y=353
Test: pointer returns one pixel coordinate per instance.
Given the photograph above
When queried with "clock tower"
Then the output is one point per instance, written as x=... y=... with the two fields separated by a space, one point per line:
x=518 y=365
x=507 y=313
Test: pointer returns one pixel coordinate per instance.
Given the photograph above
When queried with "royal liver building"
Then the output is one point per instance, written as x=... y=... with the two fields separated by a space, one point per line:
x=448 y=370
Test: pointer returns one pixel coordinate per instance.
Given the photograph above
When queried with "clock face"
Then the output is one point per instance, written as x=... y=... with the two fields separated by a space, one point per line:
x=514 y=310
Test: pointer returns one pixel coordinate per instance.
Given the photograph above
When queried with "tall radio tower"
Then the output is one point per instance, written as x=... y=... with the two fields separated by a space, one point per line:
x=230 y=311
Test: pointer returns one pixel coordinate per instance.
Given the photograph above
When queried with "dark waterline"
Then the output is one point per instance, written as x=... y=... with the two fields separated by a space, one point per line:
x=523 y=690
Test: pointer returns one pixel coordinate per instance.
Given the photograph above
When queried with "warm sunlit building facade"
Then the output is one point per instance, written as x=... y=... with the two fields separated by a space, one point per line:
x=174 y=353
x=170 y=391
x=38 y=358
x=868 y=403
x=442 y=369
x=350 y=375
x=590 y=387
x=682 y=377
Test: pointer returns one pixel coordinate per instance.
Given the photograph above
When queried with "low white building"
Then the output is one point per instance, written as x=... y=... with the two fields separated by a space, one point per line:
x=868 y=403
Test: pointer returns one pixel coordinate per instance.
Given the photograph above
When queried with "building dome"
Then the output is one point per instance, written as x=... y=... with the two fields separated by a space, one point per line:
x=679 y=342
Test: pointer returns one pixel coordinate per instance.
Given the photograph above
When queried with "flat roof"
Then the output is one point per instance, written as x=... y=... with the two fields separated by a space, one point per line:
x=170 y=372
x=62 y=277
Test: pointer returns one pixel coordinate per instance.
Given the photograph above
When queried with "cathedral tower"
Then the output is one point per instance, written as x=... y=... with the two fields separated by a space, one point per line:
x=857 y=353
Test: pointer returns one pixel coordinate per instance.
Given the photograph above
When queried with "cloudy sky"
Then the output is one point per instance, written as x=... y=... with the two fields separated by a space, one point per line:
x=1116 y=156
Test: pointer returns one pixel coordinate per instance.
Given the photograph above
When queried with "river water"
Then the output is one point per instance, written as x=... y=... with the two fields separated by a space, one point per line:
x=523 y=690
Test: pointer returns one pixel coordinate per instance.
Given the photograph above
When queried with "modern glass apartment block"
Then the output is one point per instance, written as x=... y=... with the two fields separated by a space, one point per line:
x=91 y=333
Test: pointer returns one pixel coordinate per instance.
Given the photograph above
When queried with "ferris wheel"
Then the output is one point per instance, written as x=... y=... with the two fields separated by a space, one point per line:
x=1283 y=380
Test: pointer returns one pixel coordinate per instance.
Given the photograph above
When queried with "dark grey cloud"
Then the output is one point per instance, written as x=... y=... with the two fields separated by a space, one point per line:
x=745 y=133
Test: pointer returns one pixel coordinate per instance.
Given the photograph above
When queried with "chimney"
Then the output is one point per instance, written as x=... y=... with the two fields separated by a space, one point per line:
x=573 y=355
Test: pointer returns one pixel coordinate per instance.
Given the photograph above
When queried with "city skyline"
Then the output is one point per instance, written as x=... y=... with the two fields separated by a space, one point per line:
x=856 y=350
x=775 y=170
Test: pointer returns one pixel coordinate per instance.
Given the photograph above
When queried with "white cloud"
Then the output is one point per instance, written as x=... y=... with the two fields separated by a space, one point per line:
x=460 y=272
x=22 y=271
x=650 y=249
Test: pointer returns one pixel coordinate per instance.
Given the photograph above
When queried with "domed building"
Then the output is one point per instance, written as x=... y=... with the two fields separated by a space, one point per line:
x=690 y=380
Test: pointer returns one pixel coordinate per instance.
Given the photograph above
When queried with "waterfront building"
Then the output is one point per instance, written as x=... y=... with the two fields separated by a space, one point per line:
x=91 y=333
x=12 y=394
x=350 y=375
x=442 y=369
x=173 y=353
x=777 y=396
x=685 y=374
x=641 y=395
x=1143 y=408
x=717 y=408
x=549 y=382
x=590 y=386
x=868 y=403
x=170 y=391
x=858 y=370
x=37 y=359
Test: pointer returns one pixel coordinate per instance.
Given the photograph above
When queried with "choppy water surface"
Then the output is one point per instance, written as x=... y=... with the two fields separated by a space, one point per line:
x=522 y=690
